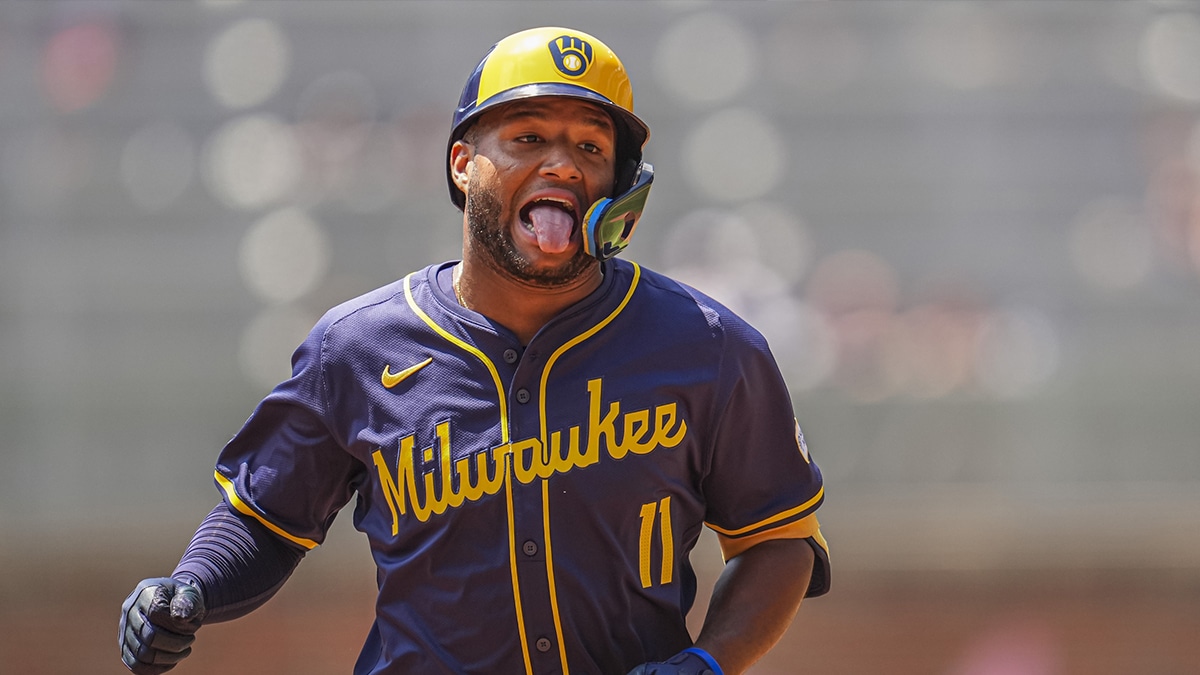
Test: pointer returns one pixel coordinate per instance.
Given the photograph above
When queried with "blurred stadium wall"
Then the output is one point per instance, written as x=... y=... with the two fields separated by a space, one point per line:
x=970 y=231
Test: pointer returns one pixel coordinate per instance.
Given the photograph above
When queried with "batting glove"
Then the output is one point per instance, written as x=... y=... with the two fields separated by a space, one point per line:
x=691 y=661
x=158 y=624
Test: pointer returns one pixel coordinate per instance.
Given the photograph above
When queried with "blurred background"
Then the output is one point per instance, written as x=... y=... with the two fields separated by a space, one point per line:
x=969 y=230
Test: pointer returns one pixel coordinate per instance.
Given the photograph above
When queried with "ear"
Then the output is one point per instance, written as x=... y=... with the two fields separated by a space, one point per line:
x=461 y=156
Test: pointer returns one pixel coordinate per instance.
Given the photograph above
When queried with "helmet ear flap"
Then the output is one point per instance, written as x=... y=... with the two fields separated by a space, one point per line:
x=609 y=224
x=626 y=174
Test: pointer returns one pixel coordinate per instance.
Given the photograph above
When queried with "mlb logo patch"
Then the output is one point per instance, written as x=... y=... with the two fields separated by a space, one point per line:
x=800 y=442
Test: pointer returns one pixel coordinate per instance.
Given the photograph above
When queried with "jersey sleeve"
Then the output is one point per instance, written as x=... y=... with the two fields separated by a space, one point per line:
x=762 y=483
x=285 y=467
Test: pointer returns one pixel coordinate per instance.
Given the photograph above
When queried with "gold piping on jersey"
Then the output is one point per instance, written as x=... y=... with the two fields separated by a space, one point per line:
x=558 y=633
x=805 y=528
x=503 y=403
x=773 y=519
x=244 y=508
x=637 y=274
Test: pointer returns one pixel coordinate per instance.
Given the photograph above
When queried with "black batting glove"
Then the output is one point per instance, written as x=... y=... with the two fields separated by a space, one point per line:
x=158 y=624
x=691 y=661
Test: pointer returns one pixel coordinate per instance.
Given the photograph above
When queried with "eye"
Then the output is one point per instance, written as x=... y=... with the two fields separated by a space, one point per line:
x=591 y=148
x=528 y=138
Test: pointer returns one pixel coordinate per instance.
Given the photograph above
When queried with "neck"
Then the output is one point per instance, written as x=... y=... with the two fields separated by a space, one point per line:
x=518 y=306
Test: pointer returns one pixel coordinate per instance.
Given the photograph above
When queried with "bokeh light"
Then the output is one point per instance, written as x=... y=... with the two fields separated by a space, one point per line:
x=962 y=45
x=1173 y=210
x=709 y=239
x=1169 y=54
x=157 y=165
x=79 y=64
x=252 y=161
x=1018 y=351
x=335 y=114
x=705 y=58
x=783 y=240
x=853 y=280
x=1111 y=246
x=930 y=350
x=735 y=154
x=802 y=340
x=1013 y=646
x=246 y=63
x=268 y=342
x=378 y=174
x=858 y=292
x=284 y=256
x=335 y=117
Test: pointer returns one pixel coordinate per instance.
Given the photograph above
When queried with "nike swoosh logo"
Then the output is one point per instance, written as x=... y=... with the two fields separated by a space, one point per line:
x=391 y=379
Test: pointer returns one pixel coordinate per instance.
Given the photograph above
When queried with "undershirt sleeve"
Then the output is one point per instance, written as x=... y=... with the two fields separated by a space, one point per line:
x=236 y=563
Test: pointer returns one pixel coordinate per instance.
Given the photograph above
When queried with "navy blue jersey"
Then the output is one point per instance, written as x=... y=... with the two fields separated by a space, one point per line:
x=530 y=508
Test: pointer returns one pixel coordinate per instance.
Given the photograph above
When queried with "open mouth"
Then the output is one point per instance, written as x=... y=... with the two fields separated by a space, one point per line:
x=561 y=204
x=552 y=222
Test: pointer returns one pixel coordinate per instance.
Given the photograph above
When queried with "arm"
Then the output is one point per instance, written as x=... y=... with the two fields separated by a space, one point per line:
x=236 y=564
x=232 y=566
x=754 y=602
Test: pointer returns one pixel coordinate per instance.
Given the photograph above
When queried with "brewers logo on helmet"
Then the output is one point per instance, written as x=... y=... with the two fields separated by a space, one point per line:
x=564 y=62
x=571 y=54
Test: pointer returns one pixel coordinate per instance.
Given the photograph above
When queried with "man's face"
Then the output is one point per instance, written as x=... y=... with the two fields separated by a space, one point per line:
x=535 y=166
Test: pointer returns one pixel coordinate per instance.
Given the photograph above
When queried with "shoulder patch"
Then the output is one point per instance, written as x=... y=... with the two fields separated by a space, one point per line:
x=801 y=444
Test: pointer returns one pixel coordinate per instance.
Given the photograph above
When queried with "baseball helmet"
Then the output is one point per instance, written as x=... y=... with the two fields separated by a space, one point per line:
x=554 y=61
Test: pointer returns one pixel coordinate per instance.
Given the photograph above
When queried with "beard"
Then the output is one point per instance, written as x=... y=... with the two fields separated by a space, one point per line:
x=500 y=251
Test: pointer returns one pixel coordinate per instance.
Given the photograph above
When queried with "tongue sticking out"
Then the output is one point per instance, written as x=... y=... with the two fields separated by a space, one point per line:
x=553 y=228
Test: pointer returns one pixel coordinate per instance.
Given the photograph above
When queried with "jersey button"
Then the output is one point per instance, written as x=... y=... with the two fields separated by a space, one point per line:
x=510 y=355
x=530 y=548
x=522 y=395
x=543 y=645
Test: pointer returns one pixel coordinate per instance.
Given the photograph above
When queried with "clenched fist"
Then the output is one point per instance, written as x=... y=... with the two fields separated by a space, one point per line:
x=158 y=624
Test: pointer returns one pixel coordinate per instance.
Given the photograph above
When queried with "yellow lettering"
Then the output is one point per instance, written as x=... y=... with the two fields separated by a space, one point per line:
x=664 y=419
x=390 y=493
x=391 y=485
x=666 y=538
x=637 y=423
x=528 y=461
x=449 y=483
x=598 y=427
x=563 y=460
x=668 y=542
x=450 y=498
x=644 y=534
x=486 y=483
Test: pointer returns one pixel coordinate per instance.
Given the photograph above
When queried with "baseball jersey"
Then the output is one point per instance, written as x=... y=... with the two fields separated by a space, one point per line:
x=530 y=508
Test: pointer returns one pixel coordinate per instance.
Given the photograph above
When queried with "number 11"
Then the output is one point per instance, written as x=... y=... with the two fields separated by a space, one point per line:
x=668 y=542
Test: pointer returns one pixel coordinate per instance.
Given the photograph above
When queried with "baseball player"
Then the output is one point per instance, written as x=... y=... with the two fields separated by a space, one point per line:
x=534 y=435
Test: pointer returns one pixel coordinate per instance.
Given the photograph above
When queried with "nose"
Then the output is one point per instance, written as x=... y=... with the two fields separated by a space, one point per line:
x=560 y=163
